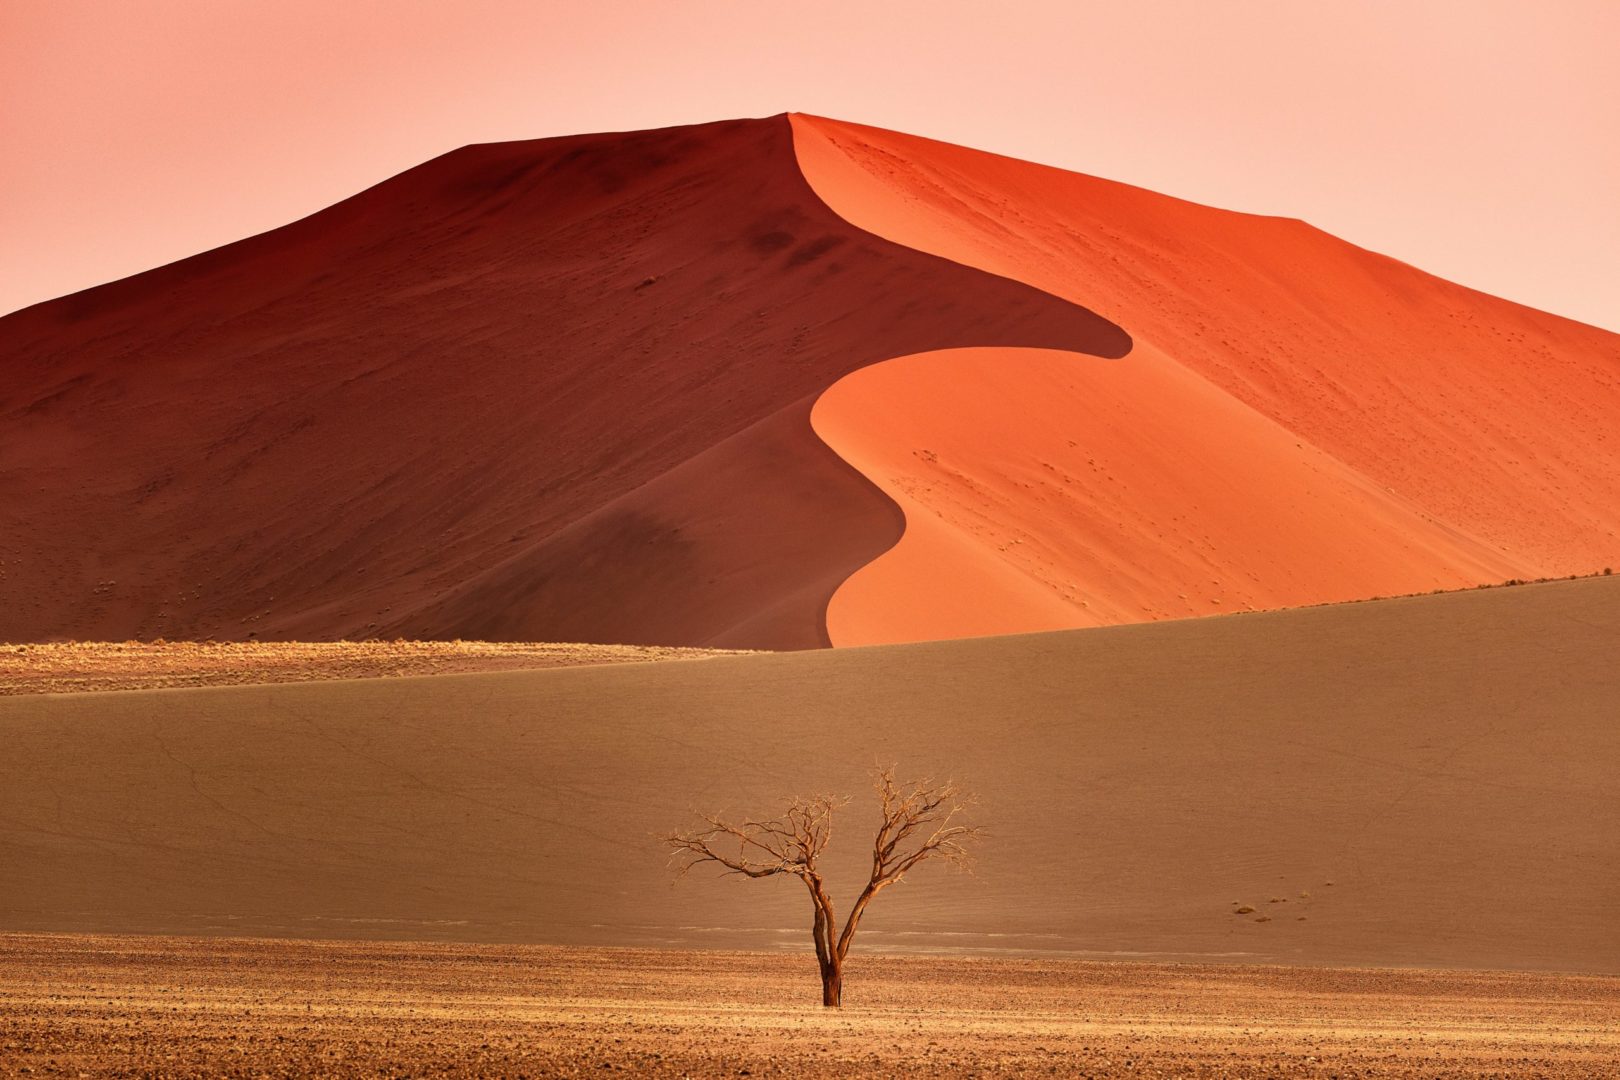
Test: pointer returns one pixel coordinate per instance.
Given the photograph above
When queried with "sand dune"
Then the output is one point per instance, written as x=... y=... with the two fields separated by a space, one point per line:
x=1381 y=427
x=1042 y=493
x=1426 y=781
x=563 y=390
x=532 y=391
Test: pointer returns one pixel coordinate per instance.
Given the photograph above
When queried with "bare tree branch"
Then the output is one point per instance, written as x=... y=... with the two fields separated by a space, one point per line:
x=790 y=844
x=918 y=824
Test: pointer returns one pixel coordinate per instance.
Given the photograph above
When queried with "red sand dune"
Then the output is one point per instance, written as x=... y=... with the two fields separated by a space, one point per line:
x=1299 y=420
x=555 y=390
x=564 y=390
x=1041 y=493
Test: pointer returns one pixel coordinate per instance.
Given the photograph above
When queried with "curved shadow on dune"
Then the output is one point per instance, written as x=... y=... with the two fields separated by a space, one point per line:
x=992 y=599
x=744 y=542
x=555 y=390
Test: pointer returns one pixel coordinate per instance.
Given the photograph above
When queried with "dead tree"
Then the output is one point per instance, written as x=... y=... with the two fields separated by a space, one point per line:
x=917 y=826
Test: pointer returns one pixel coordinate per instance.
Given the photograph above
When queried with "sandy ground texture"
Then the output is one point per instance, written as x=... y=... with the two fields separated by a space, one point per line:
x=81 y=666
x=242 y=1007
x=1420 y=782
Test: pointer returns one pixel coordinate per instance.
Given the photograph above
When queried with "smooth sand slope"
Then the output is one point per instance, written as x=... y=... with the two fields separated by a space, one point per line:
x=1040 y=494
x=1299 y=420
x=547 y=391
x=1425 y=781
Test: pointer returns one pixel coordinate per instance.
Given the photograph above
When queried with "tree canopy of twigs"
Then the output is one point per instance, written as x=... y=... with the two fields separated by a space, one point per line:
x=921 y=821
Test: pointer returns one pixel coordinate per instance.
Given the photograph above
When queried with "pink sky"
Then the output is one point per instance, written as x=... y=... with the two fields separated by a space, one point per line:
x=1476 y=139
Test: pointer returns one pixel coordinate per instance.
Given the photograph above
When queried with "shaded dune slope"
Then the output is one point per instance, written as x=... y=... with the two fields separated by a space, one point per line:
x=555 y=390
x=1445 y=762
x=1300 y=421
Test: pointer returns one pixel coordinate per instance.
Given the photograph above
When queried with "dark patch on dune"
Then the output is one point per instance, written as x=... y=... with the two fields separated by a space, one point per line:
x=811 y=251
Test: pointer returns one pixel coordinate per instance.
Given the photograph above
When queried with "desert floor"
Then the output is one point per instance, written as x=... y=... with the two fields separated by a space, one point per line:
x=72 y=1004
x=81 y=666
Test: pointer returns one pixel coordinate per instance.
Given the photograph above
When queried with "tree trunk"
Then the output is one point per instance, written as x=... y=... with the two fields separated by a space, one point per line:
x=832 y=986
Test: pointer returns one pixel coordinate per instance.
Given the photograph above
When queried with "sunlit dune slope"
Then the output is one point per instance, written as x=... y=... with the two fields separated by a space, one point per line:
x=555 y=390
x=1300 y=420
x=1042 y=493
x=1426 y=781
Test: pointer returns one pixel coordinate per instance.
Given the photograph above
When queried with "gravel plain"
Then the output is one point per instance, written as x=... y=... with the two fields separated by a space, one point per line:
x=76 y=667
x=75 y=1005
